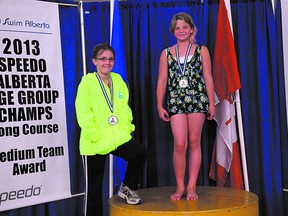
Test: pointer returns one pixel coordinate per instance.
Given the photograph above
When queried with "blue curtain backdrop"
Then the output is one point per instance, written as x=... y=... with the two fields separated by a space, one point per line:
x=258 y=41
x=263 y=101
x=97 y=28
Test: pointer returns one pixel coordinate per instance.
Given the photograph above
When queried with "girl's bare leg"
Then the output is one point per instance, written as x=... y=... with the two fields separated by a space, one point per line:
x=195 y=125
x=180 y=133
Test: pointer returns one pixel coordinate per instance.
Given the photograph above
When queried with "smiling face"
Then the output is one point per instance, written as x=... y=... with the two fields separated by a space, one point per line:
x=104 y=62
x=184 y=21
x=182 y=30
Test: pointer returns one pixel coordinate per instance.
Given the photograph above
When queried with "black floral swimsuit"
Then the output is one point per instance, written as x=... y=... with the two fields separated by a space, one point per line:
x=190 y=99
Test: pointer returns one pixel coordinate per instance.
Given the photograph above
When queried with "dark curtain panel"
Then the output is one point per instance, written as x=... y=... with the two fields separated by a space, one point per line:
x=263 y=102
x=73 y=70
x=97 y=28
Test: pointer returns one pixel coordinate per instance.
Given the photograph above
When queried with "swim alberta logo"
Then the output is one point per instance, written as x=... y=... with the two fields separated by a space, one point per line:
x=27 y=23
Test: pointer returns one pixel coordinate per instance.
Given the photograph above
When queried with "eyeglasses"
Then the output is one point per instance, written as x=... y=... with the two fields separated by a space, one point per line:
x=104 y=59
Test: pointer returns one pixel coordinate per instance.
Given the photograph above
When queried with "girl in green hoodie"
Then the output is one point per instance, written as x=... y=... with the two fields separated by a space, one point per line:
x=105 y=118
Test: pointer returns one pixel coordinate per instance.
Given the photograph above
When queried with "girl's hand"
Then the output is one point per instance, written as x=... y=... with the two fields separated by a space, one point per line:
x=211 y=112
x=163 y=114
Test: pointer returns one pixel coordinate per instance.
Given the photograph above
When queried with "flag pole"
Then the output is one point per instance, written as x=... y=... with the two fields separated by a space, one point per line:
x=242 y=142
x=82 y=37
x=110 y=155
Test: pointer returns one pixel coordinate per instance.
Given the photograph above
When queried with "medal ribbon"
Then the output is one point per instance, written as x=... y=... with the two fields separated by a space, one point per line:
x=110 y=103
x=185 y=59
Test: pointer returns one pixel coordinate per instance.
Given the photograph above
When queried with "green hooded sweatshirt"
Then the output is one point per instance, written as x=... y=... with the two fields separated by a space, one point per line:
x=98 y=136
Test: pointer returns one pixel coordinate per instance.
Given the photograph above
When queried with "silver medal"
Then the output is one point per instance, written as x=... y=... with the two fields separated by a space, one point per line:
x=183 y=83
x=112 y=120
x=184 y=80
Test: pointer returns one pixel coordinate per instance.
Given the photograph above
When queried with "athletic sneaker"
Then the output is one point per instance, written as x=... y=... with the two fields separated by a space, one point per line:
x=129 y=195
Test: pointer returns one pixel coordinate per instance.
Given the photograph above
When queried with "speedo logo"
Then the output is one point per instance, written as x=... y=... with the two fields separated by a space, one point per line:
x=32 y=191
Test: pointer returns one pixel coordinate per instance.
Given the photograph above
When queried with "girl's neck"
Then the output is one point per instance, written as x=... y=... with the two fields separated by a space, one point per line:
x=182 y=44
x=182 y=47
x=105 y=78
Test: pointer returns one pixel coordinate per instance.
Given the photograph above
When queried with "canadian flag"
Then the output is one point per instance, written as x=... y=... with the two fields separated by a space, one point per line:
x=226 y=161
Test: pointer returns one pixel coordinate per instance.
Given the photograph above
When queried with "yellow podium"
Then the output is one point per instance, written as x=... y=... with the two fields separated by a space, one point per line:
x=213 y=201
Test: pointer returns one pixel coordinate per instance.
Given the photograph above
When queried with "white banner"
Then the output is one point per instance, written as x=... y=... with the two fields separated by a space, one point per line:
x=34 y=160
x=284 y=13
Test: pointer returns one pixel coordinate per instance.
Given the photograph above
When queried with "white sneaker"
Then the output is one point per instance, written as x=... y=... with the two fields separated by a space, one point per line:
x=131 y=197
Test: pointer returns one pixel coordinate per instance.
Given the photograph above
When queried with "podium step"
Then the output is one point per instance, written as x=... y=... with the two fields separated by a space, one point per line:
x=213 y=201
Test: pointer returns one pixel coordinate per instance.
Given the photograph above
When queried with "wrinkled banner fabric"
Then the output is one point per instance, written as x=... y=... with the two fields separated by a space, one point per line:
x=33 y=132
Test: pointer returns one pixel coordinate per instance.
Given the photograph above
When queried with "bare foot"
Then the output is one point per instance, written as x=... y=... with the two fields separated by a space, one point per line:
x=177 y=195
x=191 y=194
